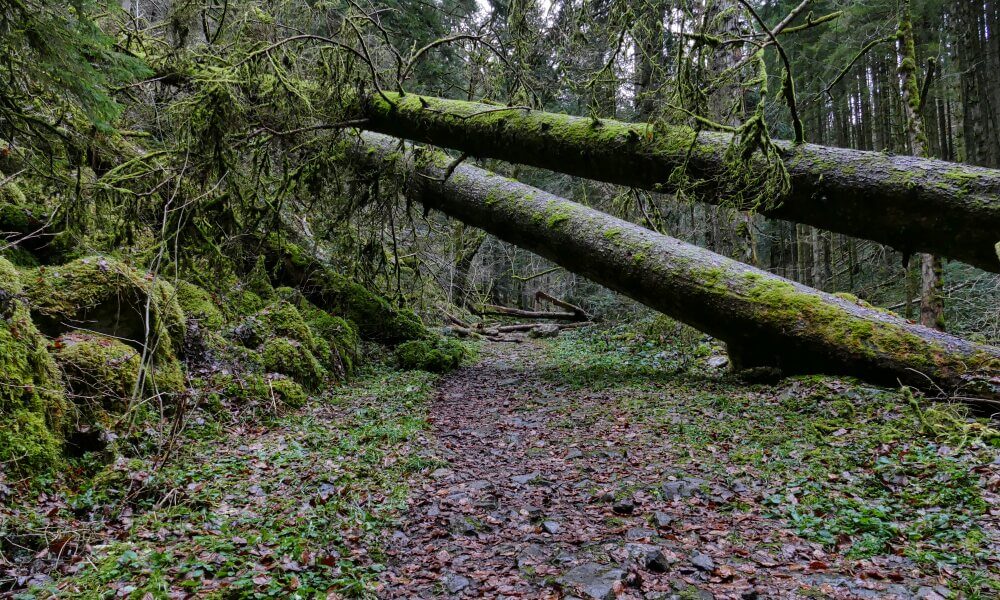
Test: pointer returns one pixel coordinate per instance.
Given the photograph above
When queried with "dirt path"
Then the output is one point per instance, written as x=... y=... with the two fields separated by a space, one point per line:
x=549 y=492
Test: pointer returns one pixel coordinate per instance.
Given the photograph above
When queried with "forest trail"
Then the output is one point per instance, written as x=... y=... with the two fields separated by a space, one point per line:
x=607 y=463
x=553 y=490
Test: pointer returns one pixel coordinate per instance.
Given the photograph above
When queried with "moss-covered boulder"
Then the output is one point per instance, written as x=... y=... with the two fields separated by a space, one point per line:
x=281 y=319
x=438 y=356
x=101 y=371
x=107 y=296
x=375 y=318
x=198 y=304
x=330 y=340
x=252 y=388
x=102 y=374
x=34 y=411
x=290 y=357
x=337 y=340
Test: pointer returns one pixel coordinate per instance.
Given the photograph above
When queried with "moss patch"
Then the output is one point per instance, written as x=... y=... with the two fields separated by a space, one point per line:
x=437 y=356
x=292 y=358
x=198 y=304
x=33 y=407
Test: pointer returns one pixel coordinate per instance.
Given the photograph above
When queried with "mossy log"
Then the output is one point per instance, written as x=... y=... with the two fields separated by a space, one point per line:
x=337 y=294
x=912 y=204
x=766 y=320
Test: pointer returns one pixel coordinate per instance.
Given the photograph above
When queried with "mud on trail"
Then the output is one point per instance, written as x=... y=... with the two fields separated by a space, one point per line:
x=553 y=485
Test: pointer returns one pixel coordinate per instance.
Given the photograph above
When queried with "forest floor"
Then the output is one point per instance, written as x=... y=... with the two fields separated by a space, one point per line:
x=606 y=463
x=567 y=476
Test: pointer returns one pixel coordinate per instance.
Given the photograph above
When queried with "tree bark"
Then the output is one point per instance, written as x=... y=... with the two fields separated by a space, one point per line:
x=765 y=320
x=931 y=272
x=913 y=204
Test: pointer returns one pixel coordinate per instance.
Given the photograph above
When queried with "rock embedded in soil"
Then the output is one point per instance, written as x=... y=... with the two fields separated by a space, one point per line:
x=624 y=507
x=703 y=561
x=639 y=533
x=718 y=362
x=526 y=478
x=551 y=527
x=593 y=580
x=682 y=488
x=456 y=583
x=662 y=520
x=440 y=473
x=656 y=561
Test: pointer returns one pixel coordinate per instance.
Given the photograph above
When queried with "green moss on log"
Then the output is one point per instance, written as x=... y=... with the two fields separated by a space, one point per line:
x=337 y=294
x=781 y=304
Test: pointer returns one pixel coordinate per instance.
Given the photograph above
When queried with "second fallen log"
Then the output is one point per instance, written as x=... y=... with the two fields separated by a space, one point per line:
x=766 y=320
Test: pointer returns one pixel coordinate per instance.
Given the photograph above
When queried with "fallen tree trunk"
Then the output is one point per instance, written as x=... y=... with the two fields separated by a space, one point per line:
x=581 y=315
x=912 y=204
x=530 y=326
x=765 y=320
x=492 y=309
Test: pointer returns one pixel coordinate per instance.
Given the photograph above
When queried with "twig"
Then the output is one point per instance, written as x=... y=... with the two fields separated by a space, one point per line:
x=843 y=73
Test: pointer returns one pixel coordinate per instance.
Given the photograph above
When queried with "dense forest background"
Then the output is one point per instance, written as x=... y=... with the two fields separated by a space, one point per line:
x=241 y=97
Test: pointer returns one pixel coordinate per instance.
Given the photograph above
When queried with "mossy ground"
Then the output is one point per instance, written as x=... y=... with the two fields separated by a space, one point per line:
x=293 y=503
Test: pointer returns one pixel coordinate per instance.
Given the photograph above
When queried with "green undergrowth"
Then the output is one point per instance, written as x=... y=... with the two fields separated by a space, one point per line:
x=656 y=350
x=864 y=471
x=292 y=509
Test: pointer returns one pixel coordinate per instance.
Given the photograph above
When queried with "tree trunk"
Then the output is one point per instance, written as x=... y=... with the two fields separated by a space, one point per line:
x=910 y=203
x=764 y=319
x=932 y=282
x=493 y=309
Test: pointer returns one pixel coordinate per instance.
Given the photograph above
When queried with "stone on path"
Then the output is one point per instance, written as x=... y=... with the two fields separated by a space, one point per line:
x=592 y=580
x=456 y=583
x=526 y=478
x=624 y=507
x=703 y=561
x=662 y=520
x=717 y=362
x=682 y=488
